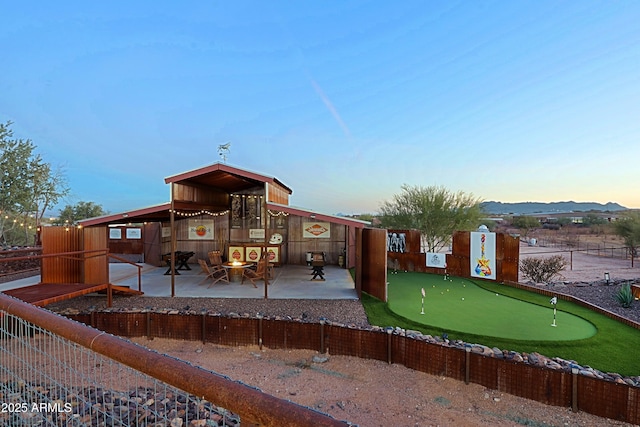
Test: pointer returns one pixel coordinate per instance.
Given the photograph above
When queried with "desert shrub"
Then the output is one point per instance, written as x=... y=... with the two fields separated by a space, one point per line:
x=625 y=296
x=542 y=270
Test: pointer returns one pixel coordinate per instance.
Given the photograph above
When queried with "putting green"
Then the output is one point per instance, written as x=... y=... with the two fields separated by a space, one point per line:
x=460 y=305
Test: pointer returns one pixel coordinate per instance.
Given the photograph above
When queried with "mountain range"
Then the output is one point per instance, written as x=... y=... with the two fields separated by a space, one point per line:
x=525 y=208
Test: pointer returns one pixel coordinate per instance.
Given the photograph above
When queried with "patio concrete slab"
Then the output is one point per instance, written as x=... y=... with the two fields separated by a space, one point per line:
x=288 y=282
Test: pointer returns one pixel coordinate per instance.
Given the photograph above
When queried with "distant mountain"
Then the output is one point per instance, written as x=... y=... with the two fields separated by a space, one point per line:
x=526 y=208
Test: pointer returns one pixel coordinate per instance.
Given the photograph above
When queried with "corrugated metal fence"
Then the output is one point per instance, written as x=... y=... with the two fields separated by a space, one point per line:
x=553 y=387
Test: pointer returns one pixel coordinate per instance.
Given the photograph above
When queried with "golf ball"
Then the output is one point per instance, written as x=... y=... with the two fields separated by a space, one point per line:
x=496 y=294
x=462 y=299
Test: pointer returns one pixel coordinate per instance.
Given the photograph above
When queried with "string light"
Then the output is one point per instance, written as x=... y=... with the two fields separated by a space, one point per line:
x=201 y=212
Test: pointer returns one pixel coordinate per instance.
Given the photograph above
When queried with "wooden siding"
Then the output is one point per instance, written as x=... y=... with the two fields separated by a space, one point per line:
x=298 y=246
x=152 y=233
x=67 y=269
x=374 y=262
x=277 y=194
x=96 y=265
x=200 y=195
x=200 y=247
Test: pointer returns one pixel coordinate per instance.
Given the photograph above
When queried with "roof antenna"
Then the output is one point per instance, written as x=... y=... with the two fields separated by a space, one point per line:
x=223 y=150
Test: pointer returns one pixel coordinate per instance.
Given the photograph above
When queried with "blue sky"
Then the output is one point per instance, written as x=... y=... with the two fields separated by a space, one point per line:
x=343 y=101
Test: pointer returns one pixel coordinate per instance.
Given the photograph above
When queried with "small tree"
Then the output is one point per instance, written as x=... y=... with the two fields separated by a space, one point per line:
x=435 y=211
x=542 y=270
x=70 y=215
x=525 y=223
x=628 y=227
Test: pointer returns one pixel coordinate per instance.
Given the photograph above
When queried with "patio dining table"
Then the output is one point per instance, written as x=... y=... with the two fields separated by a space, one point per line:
x=181 y=261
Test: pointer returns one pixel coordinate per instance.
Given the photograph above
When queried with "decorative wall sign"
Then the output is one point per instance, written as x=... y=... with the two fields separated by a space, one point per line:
x=166 y=231
x=483 y=255
x=236 y=253
x=253 y=253
x=436 y=260
x=396 y=242
x=115 y=233
x=256 y=233
x=316 y=230
x=273 y=253
x=134 y=233
x=201 y=229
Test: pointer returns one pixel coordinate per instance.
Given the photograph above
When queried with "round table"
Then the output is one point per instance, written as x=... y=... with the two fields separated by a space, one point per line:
x=236 y=270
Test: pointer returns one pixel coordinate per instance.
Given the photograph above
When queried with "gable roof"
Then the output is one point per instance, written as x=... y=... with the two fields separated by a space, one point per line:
x=225 y=177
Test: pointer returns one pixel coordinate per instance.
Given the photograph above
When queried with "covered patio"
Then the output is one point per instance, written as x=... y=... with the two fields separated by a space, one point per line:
x=244 y=216
x=288 y=282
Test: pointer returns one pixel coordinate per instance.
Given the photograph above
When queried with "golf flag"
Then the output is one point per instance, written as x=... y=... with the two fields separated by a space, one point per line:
x=423 y=293
x=554 y=300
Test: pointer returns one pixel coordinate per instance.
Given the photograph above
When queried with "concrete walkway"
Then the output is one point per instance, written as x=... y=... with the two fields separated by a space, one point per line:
x=289 y=282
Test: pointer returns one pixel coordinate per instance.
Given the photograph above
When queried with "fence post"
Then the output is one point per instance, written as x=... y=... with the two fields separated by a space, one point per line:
x=467 y=363
x=322 y=348
x=574 y=388
x=260 y=331
x=204 y=327
x=389 y=334
x=149 y=336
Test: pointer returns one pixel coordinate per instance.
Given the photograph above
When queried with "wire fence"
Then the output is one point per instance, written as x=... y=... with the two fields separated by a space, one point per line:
x=46 y=380
x=590 y=248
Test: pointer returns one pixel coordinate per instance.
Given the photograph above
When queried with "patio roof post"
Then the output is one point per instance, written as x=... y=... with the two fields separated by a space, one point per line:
x=265 y=252
x=173 y=243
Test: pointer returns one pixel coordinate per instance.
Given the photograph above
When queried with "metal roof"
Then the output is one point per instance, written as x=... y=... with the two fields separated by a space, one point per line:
x=317 y=216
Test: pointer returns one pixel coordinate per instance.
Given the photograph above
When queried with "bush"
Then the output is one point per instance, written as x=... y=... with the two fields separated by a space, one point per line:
x=625 y=296
x=542 y=270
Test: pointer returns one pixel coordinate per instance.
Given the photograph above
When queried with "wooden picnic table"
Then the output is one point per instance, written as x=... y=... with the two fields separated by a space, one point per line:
x=181 y=261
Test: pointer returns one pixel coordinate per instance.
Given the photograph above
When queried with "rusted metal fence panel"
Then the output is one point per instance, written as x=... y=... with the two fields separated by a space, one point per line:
x=176 y=326
x=211 y=331
x=484 y=370
x=607 y=399
x=121 y=324
x=549 y=386
x=24 y=262
x=434 y=359
x=531 y=382
x=374 y=345
x=342 y=341
x=293 y=335
x=238 y=331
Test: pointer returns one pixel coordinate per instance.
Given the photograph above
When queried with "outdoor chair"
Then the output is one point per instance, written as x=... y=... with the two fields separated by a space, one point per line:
x=215 y=274
x=215 y=258
x=257 y=274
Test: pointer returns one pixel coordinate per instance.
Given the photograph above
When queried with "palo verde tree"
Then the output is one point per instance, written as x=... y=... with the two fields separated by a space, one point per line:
x=628 y=227
x=434 y=210
x=28 y=187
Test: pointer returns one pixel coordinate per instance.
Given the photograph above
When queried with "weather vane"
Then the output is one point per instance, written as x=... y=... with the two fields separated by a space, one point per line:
x=223 y=150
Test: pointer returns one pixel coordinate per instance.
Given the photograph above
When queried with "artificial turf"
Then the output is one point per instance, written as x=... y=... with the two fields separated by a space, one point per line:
x=613 y=348
x=459 y=305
